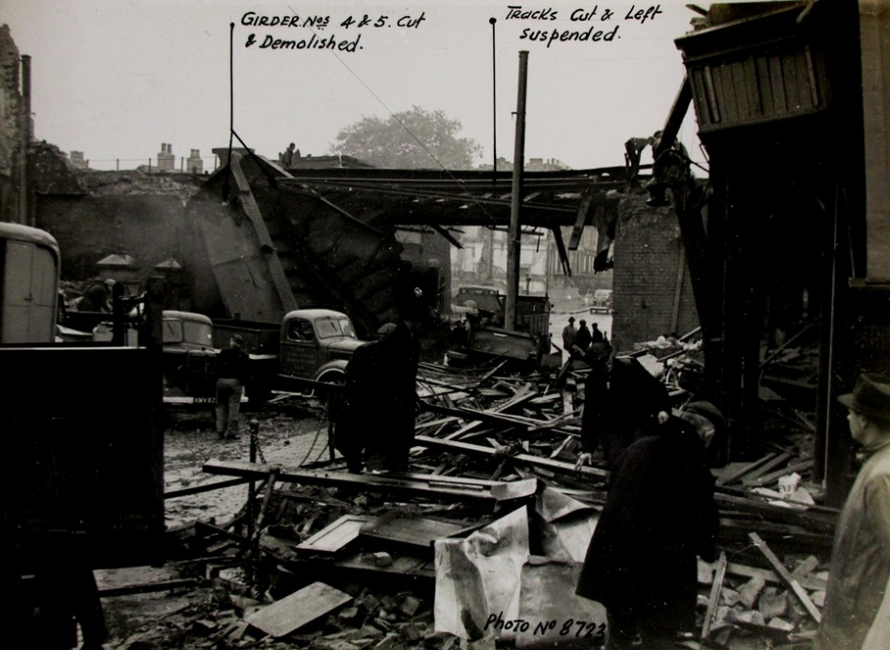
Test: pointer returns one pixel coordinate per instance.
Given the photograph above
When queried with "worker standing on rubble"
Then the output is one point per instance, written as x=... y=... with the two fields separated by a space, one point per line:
x=232 y=371
x=860 y=556
x=391 y=439
x=622 y=403
x=659 y=515
x=357 y=412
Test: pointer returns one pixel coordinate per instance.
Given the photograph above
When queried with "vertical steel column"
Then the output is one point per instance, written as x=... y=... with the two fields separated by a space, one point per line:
x=514 y=244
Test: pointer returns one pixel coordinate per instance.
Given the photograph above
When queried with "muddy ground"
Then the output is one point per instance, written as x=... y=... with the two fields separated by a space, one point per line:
x=291 y=434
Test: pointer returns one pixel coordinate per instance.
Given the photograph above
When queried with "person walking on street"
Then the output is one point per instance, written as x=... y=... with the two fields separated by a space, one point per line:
x=232 y=372
x=569 y=335
x=860 y=556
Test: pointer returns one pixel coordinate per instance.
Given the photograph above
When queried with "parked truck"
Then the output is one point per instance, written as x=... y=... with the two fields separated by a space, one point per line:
x=310 y=347
x=82 y=465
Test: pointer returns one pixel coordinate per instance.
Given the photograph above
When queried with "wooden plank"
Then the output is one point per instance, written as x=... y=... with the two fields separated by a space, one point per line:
x=337 y=535
x=300 y=608
x=808 y=582
x=417 y=531
x=751 y=477
x=207 y=487
x=821 y=522
x=714 y=599
x=766 y=479
x=148 y=587
x=538 y=461
x=391 y=484
x=786 y=577
x=736 y=475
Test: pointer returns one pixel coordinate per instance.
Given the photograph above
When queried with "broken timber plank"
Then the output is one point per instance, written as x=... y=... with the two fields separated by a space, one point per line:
x=737 y=475
x=714 y=599
x=537 y=461
x=751 y=478
x=332 y=538
x=809 y=518
x=786 y=577
x=300 y=608
x=429 y=486
x=148 y=587
x=807 y=582
x=207 y=487
x=417 y=531
x=766 y=479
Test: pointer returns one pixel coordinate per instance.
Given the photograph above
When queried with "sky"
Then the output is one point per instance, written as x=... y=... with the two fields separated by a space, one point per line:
x=116 y=78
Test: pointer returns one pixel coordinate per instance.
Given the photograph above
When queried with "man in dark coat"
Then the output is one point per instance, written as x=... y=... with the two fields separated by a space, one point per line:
x=659 y=515
x=622 y=403
x=391 y=439
x=596 y=334
x=376 y=427
x=359 y=405
x=582 y=338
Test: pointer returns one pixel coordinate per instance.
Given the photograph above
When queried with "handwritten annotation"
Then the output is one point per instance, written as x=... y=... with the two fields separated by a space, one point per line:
x=311 y=23
x=577 y=33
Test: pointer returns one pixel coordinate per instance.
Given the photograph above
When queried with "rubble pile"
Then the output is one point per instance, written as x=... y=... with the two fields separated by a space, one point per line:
x=479 y=544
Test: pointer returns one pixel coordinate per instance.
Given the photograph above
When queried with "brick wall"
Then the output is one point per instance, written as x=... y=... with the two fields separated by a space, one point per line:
x=647 y=256
x=10 y=128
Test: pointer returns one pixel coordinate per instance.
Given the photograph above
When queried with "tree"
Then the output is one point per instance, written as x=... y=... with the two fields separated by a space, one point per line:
x=409 y=140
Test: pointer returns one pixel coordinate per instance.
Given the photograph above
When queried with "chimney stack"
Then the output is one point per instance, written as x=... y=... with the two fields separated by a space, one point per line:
x=194 y=164
x=166 y=159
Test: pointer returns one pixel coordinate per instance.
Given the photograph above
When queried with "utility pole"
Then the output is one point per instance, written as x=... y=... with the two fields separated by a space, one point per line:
x=514 y=236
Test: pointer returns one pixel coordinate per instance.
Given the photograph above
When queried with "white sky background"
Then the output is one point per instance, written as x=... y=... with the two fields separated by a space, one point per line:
x=116 y=78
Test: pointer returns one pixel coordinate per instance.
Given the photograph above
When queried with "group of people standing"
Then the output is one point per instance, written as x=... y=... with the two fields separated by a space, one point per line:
x=660 y=514
x=581 y=337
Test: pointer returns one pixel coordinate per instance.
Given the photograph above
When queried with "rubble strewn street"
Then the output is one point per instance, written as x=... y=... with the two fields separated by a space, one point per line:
x=370 y=560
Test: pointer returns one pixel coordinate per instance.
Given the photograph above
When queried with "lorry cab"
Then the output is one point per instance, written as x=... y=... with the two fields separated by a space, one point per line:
x=185 y=330
x=316 y=344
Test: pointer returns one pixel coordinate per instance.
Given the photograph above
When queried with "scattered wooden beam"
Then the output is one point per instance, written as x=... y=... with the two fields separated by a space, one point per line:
x=430 y=486
x=786 y=577
x=207 y=487
x=775 y=462
x=300 y=608
x=147 y=587
x=766 y=479
x=538 y=461
x=808 y=582
x=714 y=599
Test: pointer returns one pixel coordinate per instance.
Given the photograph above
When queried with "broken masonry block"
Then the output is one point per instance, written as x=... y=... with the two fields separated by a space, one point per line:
x=750 y=591
x=781 y=624
x=806 y=566
x=410 y=632
x=410 y=605
x=773 y=605
x=730 y=596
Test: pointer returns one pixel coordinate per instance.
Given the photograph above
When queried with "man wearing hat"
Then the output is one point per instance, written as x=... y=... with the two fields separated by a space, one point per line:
x=231 y=371
x=860 y=557
x=569 y=334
